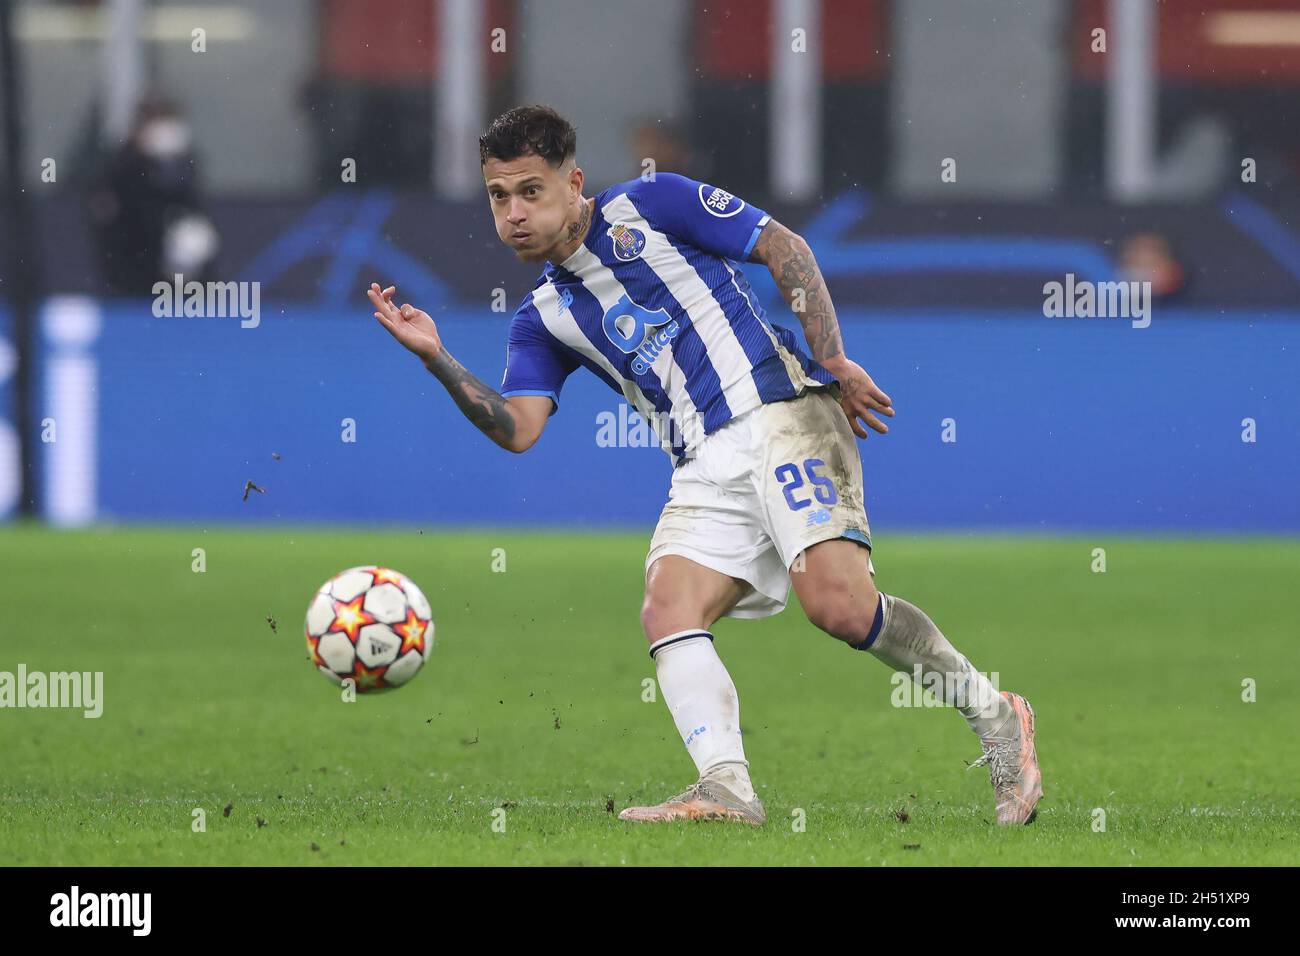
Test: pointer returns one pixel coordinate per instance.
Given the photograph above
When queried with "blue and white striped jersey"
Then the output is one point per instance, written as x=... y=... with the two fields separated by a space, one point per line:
x=654 y=303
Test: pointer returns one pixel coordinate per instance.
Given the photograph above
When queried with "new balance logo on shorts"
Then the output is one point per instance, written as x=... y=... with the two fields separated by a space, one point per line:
x=820 y=516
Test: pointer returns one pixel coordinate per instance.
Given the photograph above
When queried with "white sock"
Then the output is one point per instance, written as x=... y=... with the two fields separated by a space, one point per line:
x=702 y=699
x=907 y=640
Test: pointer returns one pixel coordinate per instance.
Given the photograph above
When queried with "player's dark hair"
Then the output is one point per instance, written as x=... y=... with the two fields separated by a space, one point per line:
x=529 y=130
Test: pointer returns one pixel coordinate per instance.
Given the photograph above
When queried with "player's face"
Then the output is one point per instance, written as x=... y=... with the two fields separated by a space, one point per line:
x=532 y=203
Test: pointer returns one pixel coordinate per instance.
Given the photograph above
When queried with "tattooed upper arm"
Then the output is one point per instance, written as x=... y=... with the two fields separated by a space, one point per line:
x=787 y=256
x=795 y=271
x=774 y=238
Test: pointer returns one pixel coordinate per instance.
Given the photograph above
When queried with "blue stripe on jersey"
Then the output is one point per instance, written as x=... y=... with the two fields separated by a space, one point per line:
x=688 y=349
x=590 y=319
x=604 y=376
x=578 y=357
x=583 y=360
x=768 y=370
x=787 y=338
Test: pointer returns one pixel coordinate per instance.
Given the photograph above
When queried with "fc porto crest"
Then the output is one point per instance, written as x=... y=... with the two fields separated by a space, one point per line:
x=628 y=242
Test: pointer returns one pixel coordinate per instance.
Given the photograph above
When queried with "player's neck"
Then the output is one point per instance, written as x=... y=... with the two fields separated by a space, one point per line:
x=575 y=234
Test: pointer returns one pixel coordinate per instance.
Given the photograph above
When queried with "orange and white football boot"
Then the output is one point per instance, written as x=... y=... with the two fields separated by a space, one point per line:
x=1013 y=765
x=706 y=799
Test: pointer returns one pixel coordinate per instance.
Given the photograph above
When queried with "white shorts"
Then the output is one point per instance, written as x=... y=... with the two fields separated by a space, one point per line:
x=761 y=489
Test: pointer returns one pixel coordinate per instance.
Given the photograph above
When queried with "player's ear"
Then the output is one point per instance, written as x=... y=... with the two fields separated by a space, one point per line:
x=575 y=181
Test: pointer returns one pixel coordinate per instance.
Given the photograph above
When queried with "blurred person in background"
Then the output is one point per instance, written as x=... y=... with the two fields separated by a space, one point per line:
x=146 y=206
x=663 y=142
x=1148 y=257
x=370 y=101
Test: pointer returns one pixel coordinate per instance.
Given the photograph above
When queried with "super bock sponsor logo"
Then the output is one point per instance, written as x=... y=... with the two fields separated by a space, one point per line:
x=719 y=202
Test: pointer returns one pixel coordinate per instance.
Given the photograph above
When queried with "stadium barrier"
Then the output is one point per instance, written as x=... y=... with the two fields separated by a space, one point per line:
x=1005 y=421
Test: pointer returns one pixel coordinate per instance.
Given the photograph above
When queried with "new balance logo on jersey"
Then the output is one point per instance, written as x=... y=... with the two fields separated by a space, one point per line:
x=636 y=330
x=565 y=300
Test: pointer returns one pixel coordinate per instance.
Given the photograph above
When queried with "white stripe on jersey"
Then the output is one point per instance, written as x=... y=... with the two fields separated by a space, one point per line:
x=798 y=378
x=749 y=305
x=597 y=278
x=561 y=324
x=726 y=354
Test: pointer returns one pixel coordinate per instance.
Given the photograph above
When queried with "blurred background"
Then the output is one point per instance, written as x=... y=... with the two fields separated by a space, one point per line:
x=945 y=161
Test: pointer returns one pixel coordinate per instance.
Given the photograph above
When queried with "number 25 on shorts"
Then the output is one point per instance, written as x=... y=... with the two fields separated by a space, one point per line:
x=792 y=479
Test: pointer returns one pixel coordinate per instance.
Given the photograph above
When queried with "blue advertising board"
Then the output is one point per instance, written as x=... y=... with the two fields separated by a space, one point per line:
x=1005 y=421
x=10 y=479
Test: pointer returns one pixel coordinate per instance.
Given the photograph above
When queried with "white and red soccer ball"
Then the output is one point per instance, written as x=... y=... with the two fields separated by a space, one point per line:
x=372 y=625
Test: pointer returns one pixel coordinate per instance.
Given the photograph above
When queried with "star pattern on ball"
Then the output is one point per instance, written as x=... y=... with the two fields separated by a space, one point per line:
x=350 y=617
x=411 y=631
x=316 y=659
x=387 y=576
x=367 y=678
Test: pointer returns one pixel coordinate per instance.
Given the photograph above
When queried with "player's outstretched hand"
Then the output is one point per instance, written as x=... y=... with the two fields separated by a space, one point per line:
x=413 y=328
x=860 y=396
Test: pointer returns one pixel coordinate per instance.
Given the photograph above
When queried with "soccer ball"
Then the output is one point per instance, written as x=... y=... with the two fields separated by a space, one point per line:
x=371 y=625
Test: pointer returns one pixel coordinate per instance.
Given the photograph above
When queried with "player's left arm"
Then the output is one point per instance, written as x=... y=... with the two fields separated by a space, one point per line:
x=795 y=271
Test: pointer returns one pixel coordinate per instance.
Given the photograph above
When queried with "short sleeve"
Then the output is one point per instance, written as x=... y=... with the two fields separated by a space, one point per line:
x=708 y=217
x=536 y=363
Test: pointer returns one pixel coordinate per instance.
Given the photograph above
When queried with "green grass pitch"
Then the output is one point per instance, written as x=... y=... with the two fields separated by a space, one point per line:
x=532 y=701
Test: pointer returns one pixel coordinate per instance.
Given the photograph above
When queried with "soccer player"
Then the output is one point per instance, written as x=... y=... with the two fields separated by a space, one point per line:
x=640 y=287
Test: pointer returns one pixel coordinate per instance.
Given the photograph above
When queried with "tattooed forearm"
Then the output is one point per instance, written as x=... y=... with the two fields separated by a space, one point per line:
x=795 y=270
x=481 y=404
